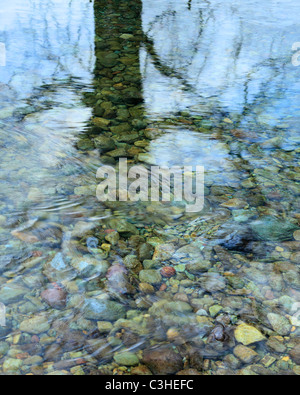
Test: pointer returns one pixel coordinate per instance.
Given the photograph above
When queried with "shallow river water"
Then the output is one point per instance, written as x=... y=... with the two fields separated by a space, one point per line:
x=89 y=287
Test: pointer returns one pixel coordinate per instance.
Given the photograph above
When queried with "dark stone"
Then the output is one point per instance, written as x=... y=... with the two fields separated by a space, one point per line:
x=53 y=353
x=163 y=360
x=295 y=354
x=99 y=349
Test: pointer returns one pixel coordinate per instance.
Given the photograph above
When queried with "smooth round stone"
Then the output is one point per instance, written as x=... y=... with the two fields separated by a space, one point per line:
x=151 y=277
x=12 y=365
x=280 y=324
x=35 y=325
x=126 y=359
x=4 y=347
x=103 y=310
x=104 y=326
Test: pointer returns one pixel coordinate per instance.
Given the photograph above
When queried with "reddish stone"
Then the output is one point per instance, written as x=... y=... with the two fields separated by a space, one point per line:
x=55 y=296
x=22 y=356
x=168 y=272
x=37 y=254
x=163 y=288
x=80 y=361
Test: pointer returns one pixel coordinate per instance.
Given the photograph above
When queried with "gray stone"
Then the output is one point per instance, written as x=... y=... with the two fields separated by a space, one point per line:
x=280 y=324
x=35 y=325
x=4 y=347
x=272 y=229
x=213 y=282
x=245 y=354
x=122 y=226
x=11 y=365
x=151 y=277
x=198 y=267
x=12 y=293
x=103 y=310
x=104 y=143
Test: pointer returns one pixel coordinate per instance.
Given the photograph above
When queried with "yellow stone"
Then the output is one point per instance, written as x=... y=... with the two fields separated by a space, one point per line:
x=247 y=334
x=297 y=235
x=279 y=249
x=106 y=247
x=16 y=339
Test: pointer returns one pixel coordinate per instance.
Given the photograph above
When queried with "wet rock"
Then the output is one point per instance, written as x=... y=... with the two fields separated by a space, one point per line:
x=168 y=272
x=126 y=359
x=12 y=293
x=198 y=267
x=204 y=326
x=122 y=226
x=213 y=282
x=108 y=60
x=297 y=235
x=163 y=361
x=104 y=144
x=53 y=353
x=57 y=270
x=117 y=280
x=141 y=370
x=247 y=335
x=235 y=204
x=196 y=358
x=35 y=325
x=215 y=310
x=274 y=344
x=85 y=144
x=245 y=354
x=11 y=365
x=237 y=240
x=71 y=340
x=273 y=229
x=104 y=326
x=113 y=238
x=35 y=360
x=163 y=252
x=295 y=354
x=132 y=263
x=280 y=324
x=26 y=237
x=99 y=349
x=103 y=310
x=55 y=296
x=232 y=362
x=145 y=251
x=87 y=266
x=4 y=347
x=146 y=288
x=101 y=123
x=151 y=277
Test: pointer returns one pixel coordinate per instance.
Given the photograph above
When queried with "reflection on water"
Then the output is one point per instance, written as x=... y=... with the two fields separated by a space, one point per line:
x=140 y=288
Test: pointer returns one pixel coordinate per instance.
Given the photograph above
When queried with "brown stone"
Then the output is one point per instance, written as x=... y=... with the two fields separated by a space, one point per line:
x=295 y=354
x=55 y=297
x=163 y=360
